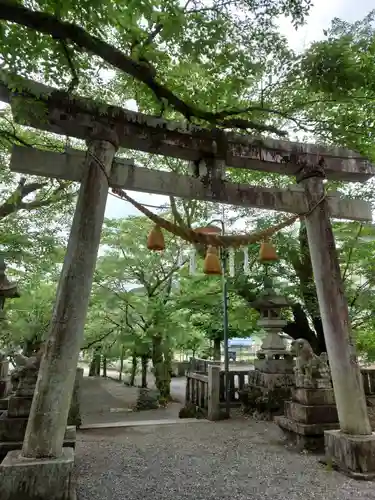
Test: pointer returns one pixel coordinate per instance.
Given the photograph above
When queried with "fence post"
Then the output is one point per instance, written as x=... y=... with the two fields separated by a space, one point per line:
x=187 y=389
x=213 y=411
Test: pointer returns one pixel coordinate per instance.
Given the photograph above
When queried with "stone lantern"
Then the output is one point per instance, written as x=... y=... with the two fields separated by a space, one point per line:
x=271 y=381
x=273 y=357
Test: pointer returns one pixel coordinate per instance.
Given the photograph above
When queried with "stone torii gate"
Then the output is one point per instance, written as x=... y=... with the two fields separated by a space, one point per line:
x=105 y=130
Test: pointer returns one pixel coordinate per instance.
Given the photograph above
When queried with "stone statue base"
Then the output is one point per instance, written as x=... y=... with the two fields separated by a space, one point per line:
x=13 y=420
x=307 y=416
x=352 y=455
x=44 y=479
x=13 y=426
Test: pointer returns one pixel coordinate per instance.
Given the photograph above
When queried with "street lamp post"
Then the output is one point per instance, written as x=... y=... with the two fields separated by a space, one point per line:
x=224 y=261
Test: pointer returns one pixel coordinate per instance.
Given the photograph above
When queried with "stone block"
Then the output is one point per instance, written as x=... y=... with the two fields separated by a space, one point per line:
x=32 y=479
x=304 y=436
x=313 y=396
x=19 y=406
x=4 y=387
x=274 y=366
x=4 y=404
x=69 y=441
x=353 y=455
x=270 y=380
x=318 y=414
x=4 y=369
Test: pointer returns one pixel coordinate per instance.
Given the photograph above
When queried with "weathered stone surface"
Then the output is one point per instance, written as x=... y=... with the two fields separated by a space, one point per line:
x=313 y=396
x=4 y=378
x=4 y=387
x=19 y=406
x=74 y=417
x=6 y=446
x=304 y=436
x=4 y=404
x=262 y=379
x=353 y=455
x=304 y=429
x=30 y=479
x=274 y=366
x=323 y=414
x=13 y=429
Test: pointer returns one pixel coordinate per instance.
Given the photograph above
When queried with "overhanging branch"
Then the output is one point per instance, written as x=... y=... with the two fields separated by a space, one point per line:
x=48 y=24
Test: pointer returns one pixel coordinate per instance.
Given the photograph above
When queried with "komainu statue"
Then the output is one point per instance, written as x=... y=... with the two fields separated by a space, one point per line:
x=24 y=376
x=311 y=371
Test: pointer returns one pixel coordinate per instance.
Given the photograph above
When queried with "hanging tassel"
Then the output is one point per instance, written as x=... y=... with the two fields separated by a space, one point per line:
x=246 y=269
x=211 y=262
x=155 y=240
x=267 y=252
x=192 y=262
x=231 y=263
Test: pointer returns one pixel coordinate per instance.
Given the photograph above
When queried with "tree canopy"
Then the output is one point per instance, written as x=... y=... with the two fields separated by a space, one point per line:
x=216 y=63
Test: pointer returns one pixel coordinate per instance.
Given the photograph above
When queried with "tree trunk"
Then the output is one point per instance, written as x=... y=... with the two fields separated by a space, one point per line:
x=161 y=369
x=144 y=361
x=134 y=370
x=121 y=363
x=104 y=366
x=94 y=370
x=217 y=349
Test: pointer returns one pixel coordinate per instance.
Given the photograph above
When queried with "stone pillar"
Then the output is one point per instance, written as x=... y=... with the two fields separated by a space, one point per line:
x=43 y=470
x=49 y=411
x=355 y=438
x=346 y=377
x=271 y=381
x=74 y=417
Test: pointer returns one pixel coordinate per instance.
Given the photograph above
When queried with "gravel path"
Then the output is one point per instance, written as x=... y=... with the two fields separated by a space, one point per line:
x=106 y=401
x=227 y=460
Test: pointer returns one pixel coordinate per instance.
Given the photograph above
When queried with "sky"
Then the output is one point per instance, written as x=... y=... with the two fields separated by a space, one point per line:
x=321 y=15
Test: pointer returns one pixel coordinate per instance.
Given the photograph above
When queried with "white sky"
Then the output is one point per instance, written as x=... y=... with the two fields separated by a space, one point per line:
x=320 y=18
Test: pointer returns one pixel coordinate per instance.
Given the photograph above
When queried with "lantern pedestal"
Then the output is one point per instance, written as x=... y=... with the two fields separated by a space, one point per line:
x=271 y=382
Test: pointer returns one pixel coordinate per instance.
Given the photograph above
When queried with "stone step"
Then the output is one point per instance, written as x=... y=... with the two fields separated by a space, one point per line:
x=136 y=423
x=304 y=429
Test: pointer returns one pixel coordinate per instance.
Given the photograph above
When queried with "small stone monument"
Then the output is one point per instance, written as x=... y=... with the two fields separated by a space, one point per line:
x=312 y=408
x=13 y=421
x=4 y=377
x=271 y=381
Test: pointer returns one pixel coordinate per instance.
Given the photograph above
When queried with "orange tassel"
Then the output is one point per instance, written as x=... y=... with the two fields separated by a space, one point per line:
x=267 y=252
x=155 y=240
x=211 y=262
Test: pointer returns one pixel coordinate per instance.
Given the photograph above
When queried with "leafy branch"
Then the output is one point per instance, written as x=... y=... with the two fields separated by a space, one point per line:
x=49 y=24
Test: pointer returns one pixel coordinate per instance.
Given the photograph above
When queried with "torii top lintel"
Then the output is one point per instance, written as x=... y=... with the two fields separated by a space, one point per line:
x=77 y=117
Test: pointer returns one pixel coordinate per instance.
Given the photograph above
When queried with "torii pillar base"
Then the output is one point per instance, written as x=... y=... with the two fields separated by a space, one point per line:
x=37 y=479
x=352 y=455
